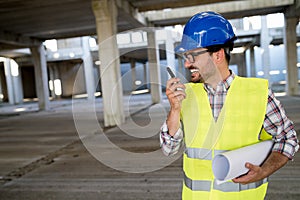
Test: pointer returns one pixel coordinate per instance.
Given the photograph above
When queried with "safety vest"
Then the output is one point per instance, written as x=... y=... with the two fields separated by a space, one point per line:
x=239 y=124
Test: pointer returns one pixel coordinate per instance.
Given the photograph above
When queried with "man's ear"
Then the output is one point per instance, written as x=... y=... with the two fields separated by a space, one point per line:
x=219 y=55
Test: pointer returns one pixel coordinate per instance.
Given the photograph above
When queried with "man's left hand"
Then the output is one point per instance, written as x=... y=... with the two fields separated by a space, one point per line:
x=254 y=174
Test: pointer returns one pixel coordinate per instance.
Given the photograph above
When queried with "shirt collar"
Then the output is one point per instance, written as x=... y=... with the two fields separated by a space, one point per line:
x=225 y=84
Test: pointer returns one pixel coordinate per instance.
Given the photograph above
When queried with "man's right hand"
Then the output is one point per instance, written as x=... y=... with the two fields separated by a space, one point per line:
x=175 y=92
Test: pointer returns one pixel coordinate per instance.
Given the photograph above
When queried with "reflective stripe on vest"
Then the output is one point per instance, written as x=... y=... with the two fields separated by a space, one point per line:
x=236 y=187
x=201 y=185
x=197 y=185
x=201 y=153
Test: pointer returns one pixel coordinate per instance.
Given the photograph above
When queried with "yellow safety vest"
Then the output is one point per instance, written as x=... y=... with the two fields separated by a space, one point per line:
x=239 y=124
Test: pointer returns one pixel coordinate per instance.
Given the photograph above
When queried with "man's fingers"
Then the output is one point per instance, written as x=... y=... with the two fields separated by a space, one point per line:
x=172 y=81
x=252 y=168
x=176 y=87
x=176 y=93
x=252 y=176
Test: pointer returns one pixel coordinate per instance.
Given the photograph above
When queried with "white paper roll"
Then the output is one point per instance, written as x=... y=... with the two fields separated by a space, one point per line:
x=231 y=164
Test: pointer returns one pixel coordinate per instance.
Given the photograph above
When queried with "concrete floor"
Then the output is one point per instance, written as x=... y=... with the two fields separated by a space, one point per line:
x=58 y=155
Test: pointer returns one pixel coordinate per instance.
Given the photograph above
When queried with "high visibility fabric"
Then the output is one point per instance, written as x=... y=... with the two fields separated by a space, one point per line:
x=239 y=124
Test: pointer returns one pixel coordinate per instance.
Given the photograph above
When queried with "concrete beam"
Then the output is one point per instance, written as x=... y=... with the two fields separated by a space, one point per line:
x=293 y=10
x=130 y=14
x=227 y=7
x=18 y=40
x=148 y=5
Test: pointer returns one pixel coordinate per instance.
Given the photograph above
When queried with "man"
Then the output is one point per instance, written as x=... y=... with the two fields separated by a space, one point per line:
x=225 y=112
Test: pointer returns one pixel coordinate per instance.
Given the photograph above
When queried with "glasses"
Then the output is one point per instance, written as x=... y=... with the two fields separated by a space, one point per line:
x=191 y=56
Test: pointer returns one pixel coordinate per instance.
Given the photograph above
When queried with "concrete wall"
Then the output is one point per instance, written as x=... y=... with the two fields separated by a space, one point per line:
x=68 y=72
x=28 y=82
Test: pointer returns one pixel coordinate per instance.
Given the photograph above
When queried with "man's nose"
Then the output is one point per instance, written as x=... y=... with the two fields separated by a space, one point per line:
x=187 y=64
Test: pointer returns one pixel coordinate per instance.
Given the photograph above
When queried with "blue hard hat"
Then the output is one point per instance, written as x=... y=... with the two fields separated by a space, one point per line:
x=205 y=29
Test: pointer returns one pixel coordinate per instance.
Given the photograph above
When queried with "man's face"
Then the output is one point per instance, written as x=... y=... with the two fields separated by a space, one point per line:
x=200 y=64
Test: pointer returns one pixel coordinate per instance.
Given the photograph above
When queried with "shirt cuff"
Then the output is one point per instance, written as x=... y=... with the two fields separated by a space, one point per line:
x=177 y=136
x=287 y=149
x=170 y=145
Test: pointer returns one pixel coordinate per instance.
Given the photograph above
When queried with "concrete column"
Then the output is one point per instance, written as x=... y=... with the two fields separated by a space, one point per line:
x=17 y=82
x=242 y=69
x=290 y=40
x=9 y=81
x=145 y=73
x=13 y=81
x=88 y=69
x=41 y=77
x=170 y=51
x=105 y=12
x=153 y=64
x=252 y=62
x=133 y=74
x=1 y=92
x=265 y=42
x=52 y=78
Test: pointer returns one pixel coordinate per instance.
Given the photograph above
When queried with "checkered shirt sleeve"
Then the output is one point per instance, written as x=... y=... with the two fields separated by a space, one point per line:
x=170 y=145
x=281 y=128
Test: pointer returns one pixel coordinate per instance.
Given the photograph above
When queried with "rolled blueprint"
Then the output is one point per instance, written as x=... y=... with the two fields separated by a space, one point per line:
x=231 y=164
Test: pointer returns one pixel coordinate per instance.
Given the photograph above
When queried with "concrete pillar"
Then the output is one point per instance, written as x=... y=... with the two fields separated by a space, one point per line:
x=133 y=74
x=242 y=69
x=88 y=69
x=265 y=42
x=9 y=82
x=52 y=78
x=13 y=81
x=153 y=64
x=1 y=91
x=17 y=82
x=41 y=77
x=290 y=40
x=252 y=62
x=170 y=51
x=145 y=73
x=105 y=12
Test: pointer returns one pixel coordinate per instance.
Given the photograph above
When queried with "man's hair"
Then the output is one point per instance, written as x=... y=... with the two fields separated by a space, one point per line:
x=228 y=47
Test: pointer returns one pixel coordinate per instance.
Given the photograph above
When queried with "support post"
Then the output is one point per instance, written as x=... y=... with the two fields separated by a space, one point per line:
x=9 y=81
x=41 y=76
x=88 y=69
x=105 y=12
x=265 y=42
x=133 y=74
x=252 y=62
x=153 y=64
x=290 y=40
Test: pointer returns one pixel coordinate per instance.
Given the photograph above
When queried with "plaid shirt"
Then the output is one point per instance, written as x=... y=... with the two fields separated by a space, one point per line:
x=275 y=123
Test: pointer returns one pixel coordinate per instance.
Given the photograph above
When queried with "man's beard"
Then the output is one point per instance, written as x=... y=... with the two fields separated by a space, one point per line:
x=195 y=76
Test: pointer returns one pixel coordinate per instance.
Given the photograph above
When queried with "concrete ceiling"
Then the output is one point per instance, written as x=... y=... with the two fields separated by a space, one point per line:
x=25 y=23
